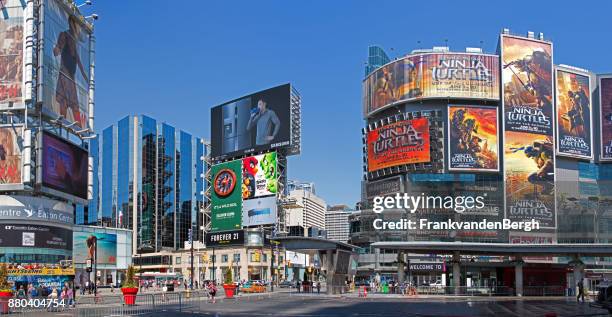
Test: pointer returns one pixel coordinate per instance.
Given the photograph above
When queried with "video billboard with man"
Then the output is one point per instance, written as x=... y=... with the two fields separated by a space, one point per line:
x=257 y=122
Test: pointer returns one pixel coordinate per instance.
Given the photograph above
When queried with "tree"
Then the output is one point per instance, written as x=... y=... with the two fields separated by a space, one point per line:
x=129 y=281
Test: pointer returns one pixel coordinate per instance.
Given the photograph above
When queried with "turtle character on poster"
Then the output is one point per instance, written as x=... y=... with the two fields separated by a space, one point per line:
x=573 y=115
x=473 y=138
x=530 y=178
x=605 y=91
x=527 y=85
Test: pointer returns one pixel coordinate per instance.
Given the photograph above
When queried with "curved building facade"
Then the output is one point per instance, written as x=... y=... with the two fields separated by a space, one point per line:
x=506 y=137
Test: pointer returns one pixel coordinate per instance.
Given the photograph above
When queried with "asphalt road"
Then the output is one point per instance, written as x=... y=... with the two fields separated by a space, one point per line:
x=312 y=306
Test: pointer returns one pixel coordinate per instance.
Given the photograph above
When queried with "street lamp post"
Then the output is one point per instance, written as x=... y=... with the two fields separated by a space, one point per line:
x=191 y=243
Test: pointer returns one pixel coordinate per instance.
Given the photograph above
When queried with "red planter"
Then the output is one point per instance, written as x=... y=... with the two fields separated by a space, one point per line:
x=129 y=295
x=229 y=290
x=4 y=299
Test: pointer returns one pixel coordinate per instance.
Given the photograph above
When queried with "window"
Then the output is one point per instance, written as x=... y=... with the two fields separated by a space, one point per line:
x=264 y=257
x=237 y=257
x=177 y=260
x=224 y=258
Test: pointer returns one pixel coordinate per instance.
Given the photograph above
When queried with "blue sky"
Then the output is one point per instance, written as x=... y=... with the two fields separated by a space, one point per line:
x=173 y=60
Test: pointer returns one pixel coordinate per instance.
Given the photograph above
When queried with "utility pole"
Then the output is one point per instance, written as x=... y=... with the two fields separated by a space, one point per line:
x=191 y=244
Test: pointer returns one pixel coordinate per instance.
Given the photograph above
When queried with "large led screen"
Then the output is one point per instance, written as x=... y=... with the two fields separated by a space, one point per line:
x=11 y=52
x=64 y=166
x=257 y=122
x=85 y=245
x=574 y=115
x=473 y=141
x=528 y=130
x=10 y=154
x=399 y=143
x=259 y=176
x=433 y=75
x=226 y=207
x=66 y=62
x=605 y=100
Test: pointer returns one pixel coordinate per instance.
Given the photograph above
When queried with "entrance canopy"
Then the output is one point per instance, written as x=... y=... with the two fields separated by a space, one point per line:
x=474 y=248
x=313 y=244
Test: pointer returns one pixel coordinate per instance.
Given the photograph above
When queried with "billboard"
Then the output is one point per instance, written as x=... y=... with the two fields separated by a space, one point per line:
x=433 y=75
x=399 y=143
x=84 y=247
x=11 y=53
x=528 y=129
x=64 y=166
x=259 y=211
x=384 y=187
x=259 y=176
x=65 y=78
x=257 y=122
x=473 y=142
x=226 y=206
x=10 y=155
x=605 y=100
x=35 y=209
x=35 y=236
x=574 y=137
x=225 y=238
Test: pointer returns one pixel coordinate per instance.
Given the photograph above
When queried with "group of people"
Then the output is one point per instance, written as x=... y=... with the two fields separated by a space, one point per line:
x=66 y=294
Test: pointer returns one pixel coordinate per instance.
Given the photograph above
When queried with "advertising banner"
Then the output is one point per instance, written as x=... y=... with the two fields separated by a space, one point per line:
x=259 y=176
x=36 y=236
x=35 y=209
x=84 y=247
x=432 y=75
x=225 y=238
x=473 y=141
x=64 y=166
x=574 y=115
x=257 y=122
x=605 y=100
x=66 y=65
x=399 y=143
x=528 y=130
x=226 y=209
x=10 y=155
x=11 y=53
x=384 y=187
x=259 y=211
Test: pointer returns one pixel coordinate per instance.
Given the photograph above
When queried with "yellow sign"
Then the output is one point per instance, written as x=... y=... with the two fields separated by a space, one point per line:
x=43 y=271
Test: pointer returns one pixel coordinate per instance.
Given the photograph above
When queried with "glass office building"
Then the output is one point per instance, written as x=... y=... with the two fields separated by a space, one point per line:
x=148 y=176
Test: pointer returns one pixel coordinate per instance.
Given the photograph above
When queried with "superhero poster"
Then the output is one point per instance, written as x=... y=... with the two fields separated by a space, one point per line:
x=527 y=85
x=399 y=143
x=11 y=52
x=530 y=167
x=473 y=141
x=605 y=91
x=226 y=197
x=574 y=115
x=259 y=176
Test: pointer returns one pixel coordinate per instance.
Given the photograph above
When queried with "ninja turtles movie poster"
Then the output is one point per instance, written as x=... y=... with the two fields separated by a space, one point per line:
x=226 y=207
x=527 y=87
x=259 y=176
x=473 y=142
x=574 y=115
x=605 y=91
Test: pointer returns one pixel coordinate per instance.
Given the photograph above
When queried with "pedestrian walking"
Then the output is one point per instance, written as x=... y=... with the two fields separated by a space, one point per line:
x=213 y=291
x=297 y=285
x=318 y=287
x=580 y=286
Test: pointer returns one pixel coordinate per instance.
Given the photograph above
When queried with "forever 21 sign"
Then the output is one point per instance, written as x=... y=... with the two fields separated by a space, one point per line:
x=225 y=238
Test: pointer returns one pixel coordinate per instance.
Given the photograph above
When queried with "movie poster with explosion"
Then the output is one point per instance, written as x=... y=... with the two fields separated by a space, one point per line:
x=259 y=176
x=399 y=143
x=473 y=141
x=528 y=130
x=574 y=115
x=11 y=53
x=605 y=99
x=226 y=197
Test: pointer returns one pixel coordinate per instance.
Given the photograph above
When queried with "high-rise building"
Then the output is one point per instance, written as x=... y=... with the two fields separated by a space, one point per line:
x=376 y=58
x=309 y=216
x=148 y=176
x=337 y=222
